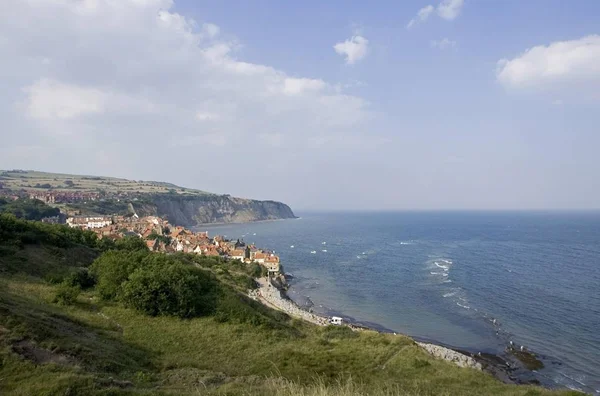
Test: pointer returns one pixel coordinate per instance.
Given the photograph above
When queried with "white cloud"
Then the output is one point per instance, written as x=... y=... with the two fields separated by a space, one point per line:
x=130 y=77
x=48 y=99
x=443 y=44
x=354 y=49
x=422 y=16
x=211 y=30
x=449 y=9
x=295 y=86
x=562 y=65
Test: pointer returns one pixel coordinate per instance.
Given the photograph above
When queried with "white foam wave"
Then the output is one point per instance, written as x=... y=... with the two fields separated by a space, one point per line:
x=449 y=294
x=444 y=267
x=447 y=281
x=463 y=306
x=573 y=379
x=435 y=273
x=446 y=261
x=444 y=274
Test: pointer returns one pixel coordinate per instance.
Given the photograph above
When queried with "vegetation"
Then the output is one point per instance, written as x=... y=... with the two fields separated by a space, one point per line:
x=66 y=294
x=76 y=320
x=28 y=209
x=18 y=179
x=161 y=238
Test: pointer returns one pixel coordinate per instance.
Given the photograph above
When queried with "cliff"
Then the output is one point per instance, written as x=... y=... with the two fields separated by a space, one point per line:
x=204 y=209
x=108 y=195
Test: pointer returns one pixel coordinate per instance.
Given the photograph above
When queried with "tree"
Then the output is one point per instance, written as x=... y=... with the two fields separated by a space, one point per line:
x=113 y=268
x=28 y=209
x=170 y=289
x=131 y=243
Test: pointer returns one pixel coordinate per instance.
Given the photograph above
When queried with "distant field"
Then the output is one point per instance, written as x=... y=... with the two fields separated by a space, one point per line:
x=42 y=181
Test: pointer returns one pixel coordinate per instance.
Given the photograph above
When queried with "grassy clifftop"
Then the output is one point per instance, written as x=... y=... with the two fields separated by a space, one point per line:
x=42 y=181
x=99 y=345
x=109 y=195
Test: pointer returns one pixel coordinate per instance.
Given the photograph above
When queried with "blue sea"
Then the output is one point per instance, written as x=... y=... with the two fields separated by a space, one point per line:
x=471 y=280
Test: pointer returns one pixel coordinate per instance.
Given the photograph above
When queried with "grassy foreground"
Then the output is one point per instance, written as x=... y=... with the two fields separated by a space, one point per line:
x=99 y=347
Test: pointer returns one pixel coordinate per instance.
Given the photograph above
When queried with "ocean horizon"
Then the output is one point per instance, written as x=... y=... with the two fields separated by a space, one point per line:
x=472 y=280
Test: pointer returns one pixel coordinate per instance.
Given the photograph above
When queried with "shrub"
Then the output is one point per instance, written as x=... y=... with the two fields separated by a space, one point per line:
x=113 y=268
x=235 y=308
x=175 y=289
x=131 y=243
x=66 y=294
x=82 y=279
x=332 y=332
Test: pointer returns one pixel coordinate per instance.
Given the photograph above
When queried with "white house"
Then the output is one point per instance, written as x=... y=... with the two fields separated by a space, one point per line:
x=237 y=255
x=89 y=221
x=335 y=320
x=197 y=250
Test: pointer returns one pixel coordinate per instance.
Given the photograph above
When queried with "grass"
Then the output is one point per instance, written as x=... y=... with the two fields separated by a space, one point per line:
x=16 y=180
x=94 y=347
x=172 y=356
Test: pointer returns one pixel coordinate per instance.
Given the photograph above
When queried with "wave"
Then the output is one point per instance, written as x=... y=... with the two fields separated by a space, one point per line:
x=435 y=273
x=444 y=267
x=449 y=294
x=573 y=379
x=463 y=306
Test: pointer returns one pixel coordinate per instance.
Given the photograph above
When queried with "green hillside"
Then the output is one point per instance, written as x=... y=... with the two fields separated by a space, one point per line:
x=42 y=181
x=80 y=317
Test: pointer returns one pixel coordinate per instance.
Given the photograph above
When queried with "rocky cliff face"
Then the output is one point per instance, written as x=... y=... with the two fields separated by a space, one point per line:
x=191 y=211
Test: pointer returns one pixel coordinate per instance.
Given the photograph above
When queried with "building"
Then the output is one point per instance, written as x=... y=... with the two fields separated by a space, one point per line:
x=237 y=254
x=272 y=264
x=89 y=222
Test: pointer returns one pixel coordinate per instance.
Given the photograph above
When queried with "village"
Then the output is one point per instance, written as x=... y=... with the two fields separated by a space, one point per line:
x=161 y=236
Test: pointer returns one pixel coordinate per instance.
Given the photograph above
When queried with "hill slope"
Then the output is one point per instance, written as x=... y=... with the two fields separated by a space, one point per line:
x=95 y=346
x=107 y=195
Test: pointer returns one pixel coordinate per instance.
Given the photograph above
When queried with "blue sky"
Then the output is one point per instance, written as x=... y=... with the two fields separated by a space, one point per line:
x=324 y=105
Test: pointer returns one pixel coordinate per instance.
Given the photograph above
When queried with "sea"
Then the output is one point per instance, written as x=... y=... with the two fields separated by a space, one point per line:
x=469 y=280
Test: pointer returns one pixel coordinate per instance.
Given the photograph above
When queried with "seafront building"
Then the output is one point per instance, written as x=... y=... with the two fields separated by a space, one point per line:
x=160 y=236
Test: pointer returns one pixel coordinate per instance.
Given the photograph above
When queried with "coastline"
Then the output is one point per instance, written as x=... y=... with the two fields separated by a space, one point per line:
x=507 y=369
x=274 y=297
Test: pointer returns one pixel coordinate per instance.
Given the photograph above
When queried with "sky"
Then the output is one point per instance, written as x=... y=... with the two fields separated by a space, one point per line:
x=383 y=105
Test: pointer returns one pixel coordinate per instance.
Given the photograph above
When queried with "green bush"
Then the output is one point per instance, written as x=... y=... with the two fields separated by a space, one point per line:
x=235 y=308
x=333 y=332
x=81 y=278
x=131 y=243
x=173 y=289
x=113 y=268
x=24 y=232
x=154 y=283
x=66 y=294
x=28 y=209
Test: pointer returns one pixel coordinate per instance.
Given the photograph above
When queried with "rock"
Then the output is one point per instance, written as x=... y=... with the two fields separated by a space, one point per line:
x=450 y=355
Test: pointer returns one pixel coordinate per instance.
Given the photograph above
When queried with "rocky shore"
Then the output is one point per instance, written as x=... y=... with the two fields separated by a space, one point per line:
x=450 y=355
x=273 y=297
